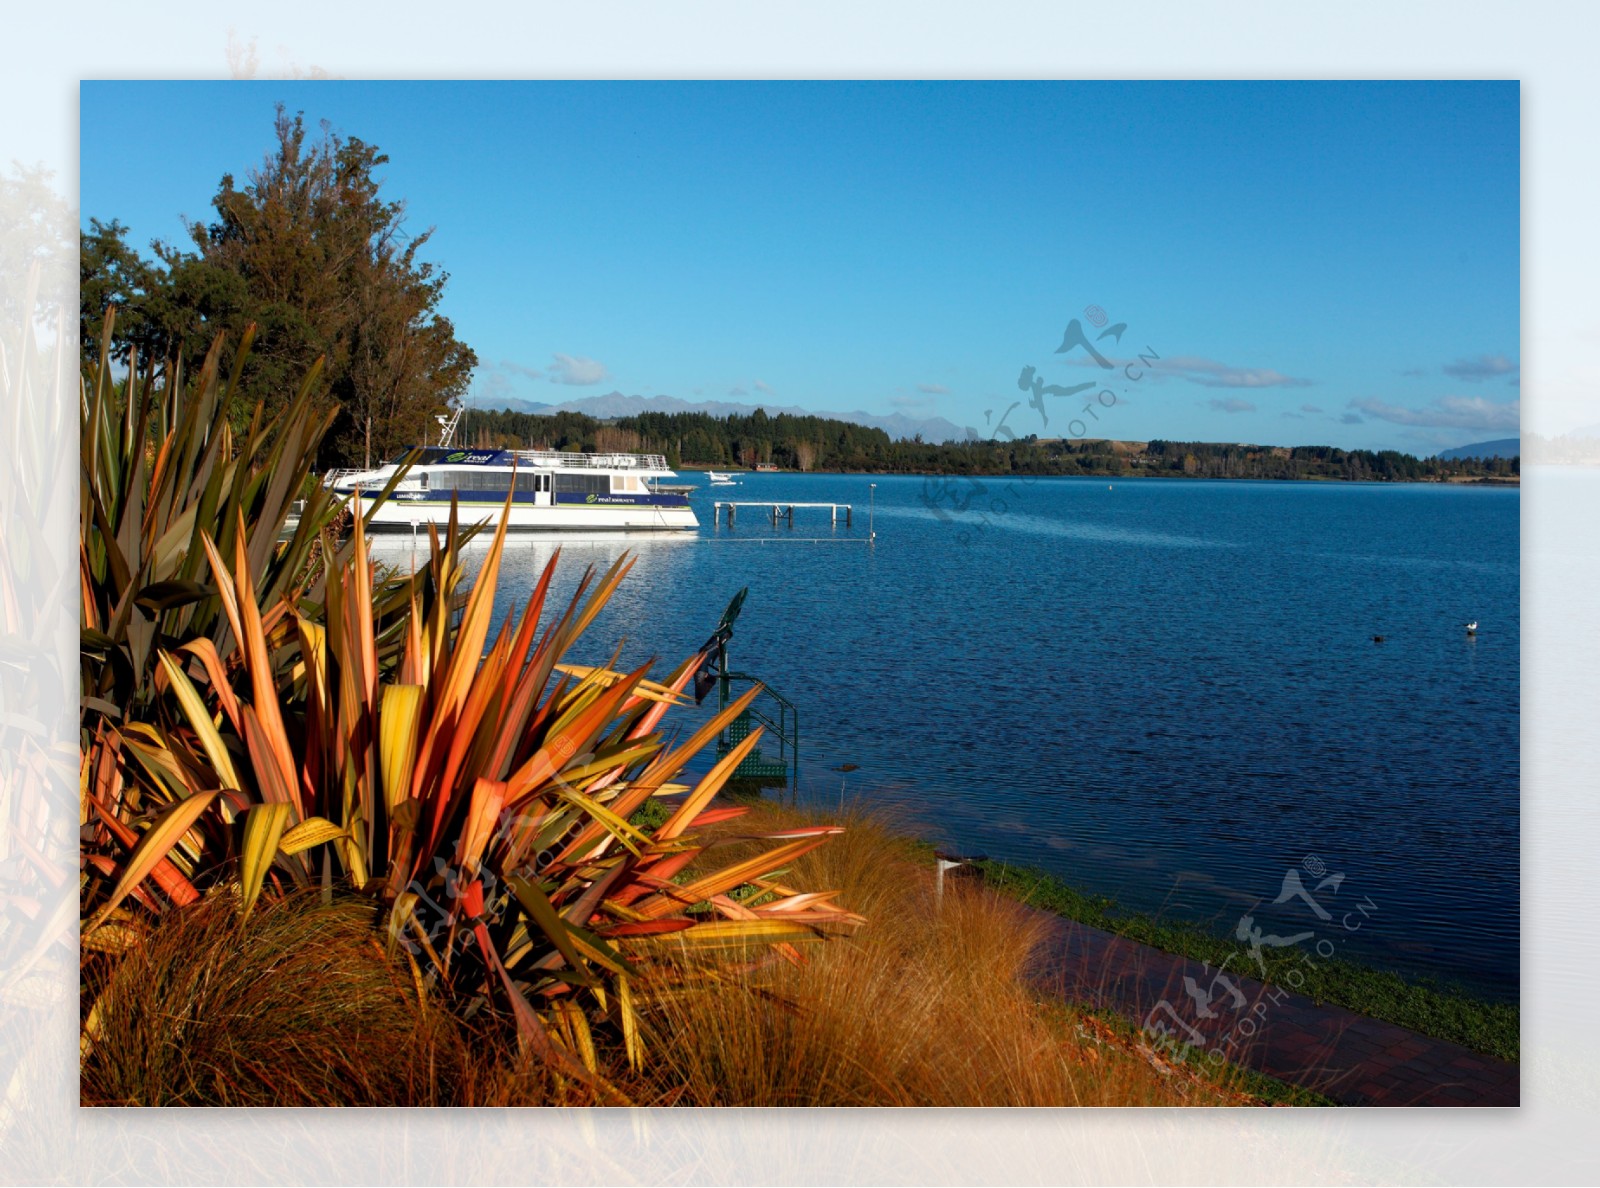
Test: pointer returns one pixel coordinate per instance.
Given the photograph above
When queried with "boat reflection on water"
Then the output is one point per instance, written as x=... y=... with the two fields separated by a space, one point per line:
x=410 y=551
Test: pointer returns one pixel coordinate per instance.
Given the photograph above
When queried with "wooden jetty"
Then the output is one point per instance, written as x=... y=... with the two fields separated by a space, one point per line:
x=777 y=510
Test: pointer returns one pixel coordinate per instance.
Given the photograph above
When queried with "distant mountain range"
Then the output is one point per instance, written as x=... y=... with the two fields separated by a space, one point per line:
x=1504 y=447
x=614 y=404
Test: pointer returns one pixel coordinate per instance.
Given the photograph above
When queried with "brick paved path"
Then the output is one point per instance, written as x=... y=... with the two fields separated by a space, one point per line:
x=1348 y=1057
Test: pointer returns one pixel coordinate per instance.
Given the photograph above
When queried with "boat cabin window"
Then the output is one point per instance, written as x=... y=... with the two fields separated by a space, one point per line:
x=625 y=482
x=484 y=480
x=583 y=484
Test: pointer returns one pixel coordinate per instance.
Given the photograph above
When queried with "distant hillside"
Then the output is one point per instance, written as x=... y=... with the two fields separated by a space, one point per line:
x=1505 y=447
x=614 y=405
x=805 y=442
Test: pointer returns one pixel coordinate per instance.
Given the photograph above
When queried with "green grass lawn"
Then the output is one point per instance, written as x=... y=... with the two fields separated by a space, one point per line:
x=1489 y=1027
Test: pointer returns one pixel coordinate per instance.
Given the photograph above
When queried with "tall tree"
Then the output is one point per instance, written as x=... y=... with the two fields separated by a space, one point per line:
x=309 y=250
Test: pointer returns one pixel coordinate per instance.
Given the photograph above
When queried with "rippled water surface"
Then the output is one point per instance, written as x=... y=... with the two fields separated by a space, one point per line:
x=1165 y=691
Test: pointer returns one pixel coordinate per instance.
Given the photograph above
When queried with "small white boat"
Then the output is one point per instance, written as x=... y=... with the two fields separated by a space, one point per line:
x=550 y=490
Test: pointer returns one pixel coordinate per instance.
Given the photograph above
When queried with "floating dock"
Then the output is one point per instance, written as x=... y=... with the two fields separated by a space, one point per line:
x=778 y=510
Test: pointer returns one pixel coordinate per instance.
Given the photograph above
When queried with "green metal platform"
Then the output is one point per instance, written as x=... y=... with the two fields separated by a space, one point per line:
x=756 y=766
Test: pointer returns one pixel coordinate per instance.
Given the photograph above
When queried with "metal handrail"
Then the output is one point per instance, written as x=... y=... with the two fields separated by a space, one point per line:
x=786 y=726
x=592 y=461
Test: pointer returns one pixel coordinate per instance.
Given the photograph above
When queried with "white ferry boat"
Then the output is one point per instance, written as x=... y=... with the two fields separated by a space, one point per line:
x=551 y=491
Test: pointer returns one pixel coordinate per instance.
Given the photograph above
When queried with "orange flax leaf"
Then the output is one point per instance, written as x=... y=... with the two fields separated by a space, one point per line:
x=656 y=875
x=109 y=868
x=513 y=725
x=530 y=618
x=583 y=908
x=206 y=652
x=358 y=682
x=474 y=629
x=259 y=664
x=714 y=816
x=675 y=686
x=727 y=878
x=539 y=724
x=556 y=751
x=647 y=928
x=363 y=607
x=671 y=762
x=720 y=932
x=411 y=660
x=90 y=612
x=167 y=876
x=225 y=590
x=464 y=730
x=483 y=813
x=147 y=530
x=273 y=619
x=152 y=849
x=270 y=782
x=714 y=779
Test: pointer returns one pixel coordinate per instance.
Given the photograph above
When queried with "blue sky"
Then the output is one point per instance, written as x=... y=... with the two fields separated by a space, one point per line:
x=1313 y=262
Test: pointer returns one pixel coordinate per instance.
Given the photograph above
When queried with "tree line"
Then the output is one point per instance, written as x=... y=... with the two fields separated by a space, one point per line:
x=816 y=443
x=309 y=252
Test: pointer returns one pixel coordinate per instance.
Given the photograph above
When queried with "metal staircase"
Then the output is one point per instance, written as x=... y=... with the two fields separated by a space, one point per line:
x=776 y=714
x=781 y=720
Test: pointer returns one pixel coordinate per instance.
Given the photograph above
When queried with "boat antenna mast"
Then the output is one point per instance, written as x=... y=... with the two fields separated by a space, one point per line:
x=447 y=427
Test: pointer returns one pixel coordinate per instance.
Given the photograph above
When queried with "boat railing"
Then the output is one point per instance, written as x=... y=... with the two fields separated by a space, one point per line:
x=558 y=458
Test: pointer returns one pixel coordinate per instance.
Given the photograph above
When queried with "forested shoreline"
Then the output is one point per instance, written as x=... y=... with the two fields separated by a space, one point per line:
x=789 y=442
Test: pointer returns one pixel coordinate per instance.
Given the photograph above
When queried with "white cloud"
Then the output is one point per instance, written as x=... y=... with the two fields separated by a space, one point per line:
x=1482 y=368
x=1208 y=373
x=496 y=383
x=737 y=392
x=763 y=387
x=576 y=369
x=489 y=387
x=1232 y=405
x=1449 y=412
x=934 y=389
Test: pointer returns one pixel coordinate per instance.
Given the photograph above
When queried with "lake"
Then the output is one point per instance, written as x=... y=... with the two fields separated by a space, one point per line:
x=1165 y=691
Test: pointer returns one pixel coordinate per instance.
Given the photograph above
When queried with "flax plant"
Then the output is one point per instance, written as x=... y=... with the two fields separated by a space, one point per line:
x=273 y=726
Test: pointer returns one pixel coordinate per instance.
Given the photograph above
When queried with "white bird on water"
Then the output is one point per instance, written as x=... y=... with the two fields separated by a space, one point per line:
x=1472 y=627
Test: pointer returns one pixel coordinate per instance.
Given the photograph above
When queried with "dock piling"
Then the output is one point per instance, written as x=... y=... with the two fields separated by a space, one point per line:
x=784 y=511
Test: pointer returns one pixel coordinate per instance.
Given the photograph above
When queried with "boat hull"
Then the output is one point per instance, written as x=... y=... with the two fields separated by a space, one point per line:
x=409 y=515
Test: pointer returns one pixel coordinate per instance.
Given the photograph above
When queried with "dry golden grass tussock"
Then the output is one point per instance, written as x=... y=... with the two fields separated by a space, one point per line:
x=921 y=1007
x=295 y=1006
